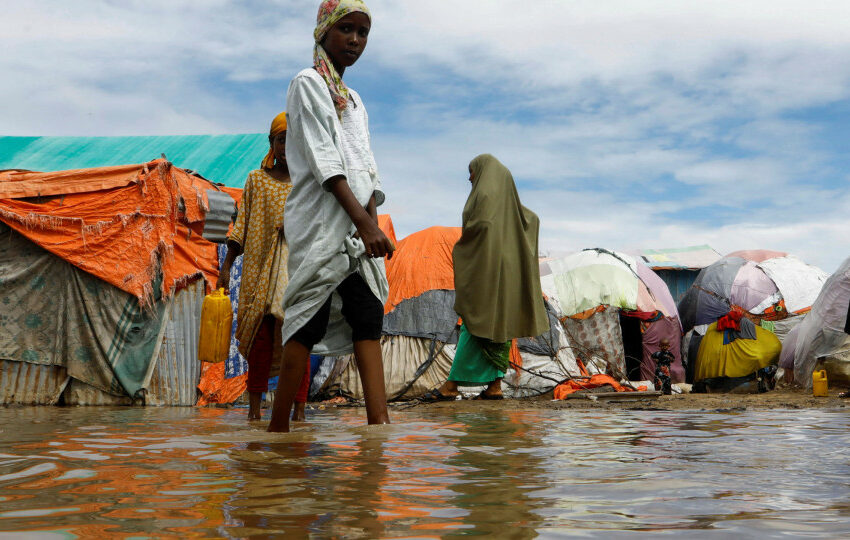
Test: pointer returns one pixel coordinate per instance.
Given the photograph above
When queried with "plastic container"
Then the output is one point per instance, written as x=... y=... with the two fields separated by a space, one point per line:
x=216 y=323
x=819 y=384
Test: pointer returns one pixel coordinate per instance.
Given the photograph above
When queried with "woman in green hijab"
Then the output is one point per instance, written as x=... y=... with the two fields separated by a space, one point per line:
x=497 y=281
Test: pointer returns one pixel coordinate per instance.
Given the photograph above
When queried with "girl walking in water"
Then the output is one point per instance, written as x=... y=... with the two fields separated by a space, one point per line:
x=337 y=281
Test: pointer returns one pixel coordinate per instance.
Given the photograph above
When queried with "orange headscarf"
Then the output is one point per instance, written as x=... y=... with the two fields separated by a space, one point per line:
x=278 y=126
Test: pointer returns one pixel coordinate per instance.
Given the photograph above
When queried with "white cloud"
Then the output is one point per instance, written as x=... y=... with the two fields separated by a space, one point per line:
x=595 y=104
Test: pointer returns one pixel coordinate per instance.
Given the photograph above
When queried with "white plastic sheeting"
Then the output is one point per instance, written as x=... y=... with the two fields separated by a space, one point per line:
x=798 y=282
x=822 y=334
x=539 y=373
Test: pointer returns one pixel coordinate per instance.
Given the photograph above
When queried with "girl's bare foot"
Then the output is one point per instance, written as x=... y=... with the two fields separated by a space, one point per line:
x=255 y=406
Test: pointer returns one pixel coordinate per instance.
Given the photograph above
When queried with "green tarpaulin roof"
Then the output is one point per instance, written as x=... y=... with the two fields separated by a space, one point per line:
x=221 y=158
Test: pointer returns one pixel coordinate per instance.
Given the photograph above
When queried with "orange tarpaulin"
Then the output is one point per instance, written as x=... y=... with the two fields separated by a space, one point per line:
x=215 y=388
x=425 y=266
x=21 y=184
x=566 y=388
x=122 y=224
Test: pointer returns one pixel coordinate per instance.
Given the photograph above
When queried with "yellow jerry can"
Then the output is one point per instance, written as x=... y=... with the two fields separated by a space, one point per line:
x=216 y=322
x=819 y=384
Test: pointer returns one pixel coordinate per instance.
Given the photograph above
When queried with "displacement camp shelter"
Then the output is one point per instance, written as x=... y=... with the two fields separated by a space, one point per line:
x=823 y=338
x=226 y=158
x=615 y=311
x=103 y=274
x=678 y=267
x=771 y=290
x=421 y=330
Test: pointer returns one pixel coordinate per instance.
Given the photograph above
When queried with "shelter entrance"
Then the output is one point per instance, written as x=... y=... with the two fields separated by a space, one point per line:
x=632 y=345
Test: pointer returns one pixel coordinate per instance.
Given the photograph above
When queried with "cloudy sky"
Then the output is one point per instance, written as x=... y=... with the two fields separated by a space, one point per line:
x=626 y=123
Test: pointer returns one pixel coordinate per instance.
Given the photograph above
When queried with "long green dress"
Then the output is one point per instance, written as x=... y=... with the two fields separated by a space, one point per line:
x=496 y=273
x=472 y=366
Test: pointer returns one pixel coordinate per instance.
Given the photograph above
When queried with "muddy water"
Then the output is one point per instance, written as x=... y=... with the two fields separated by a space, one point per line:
x=93 y=472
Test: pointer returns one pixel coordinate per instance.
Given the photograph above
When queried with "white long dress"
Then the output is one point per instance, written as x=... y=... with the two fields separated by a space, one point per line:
x=322 y=249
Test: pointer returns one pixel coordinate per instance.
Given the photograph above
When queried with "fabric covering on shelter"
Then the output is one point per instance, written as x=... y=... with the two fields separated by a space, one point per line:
x=126 y=225
x=56 y=314
x=766 y=284
x=720 y=357
x=823 y=340
x=592 y=288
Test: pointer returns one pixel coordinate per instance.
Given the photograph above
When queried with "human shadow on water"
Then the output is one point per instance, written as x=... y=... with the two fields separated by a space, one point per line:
x=502 y=469
x=309 y=487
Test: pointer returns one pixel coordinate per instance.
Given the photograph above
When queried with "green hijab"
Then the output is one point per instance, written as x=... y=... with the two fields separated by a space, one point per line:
x=497 y=276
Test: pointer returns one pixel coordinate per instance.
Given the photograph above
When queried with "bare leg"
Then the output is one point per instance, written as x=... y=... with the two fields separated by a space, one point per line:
x=449 y=388
x=295 y=357
x=254 y=406
x=371 y=368
x=298 y=412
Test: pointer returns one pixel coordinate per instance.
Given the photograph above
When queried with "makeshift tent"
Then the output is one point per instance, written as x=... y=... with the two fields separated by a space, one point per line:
x=773 y=289
x=823 y=339
x=104 y=271
x=615 y=310
x=420 y=330
x=768 y=285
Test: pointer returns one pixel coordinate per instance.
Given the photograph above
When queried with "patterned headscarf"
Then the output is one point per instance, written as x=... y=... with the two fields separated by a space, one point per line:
x=278 y=126
x=330 y=12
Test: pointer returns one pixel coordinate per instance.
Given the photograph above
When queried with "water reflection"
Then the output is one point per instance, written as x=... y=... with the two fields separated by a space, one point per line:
x=206 y=473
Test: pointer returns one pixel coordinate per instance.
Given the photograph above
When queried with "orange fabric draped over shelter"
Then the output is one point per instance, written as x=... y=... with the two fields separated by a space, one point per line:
x=431 y=269
x=122 y=224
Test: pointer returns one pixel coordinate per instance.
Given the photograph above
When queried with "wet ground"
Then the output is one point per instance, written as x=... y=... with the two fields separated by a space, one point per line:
x=498 y=470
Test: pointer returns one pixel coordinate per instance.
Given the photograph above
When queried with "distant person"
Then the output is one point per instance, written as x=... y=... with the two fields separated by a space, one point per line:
x=497 y=281
x=663 y=360
x=259 y=236
x=337 y=282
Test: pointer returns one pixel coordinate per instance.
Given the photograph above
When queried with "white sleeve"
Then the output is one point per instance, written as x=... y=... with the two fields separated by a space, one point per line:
x=311 y=120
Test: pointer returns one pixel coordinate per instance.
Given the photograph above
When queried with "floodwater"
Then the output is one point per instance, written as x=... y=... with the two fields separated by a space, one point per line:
x=131 y=472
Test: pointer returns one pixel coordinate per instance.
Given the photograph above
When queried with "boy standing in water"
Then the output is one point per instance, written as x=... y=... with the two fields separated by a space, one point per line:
x=337 y=281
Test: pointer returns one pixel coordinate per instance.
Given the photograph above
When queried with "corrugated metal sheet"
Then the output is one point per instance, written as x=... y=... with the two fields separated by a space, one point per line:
x=80 y=393
x=220 y=158
x=22 y=383
x=218 y=217
x=175 y=378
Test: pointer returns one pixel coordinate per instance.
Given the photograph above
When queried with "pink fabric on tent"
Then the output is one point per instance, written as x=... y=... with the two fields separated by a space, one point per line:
x=757 y=255
x=751 y=286
x=658 y=297
x=669 y=328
